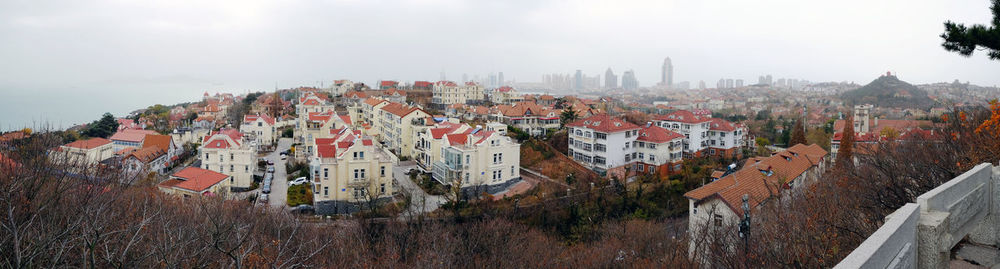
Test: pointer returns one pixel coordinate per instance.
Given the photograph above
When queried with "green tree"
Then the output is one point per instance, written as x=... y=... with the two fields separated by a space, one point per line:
x=966 y=39
x=103 y=128
x=568 y=115
x=798 y=134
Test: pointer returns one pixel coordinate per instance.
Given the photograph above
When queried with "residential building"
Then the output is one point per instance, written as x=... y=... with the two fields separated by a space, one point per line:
x=429 y=141
x=530 y=117
x=166 y=143
x=260 y=129
x=505 y=95
x=725 y=139
x=395 y=126
x=318 y=125
x=129 y=139
x=228 y=152
x=629 y=81
x=144 y=161
x=387 y=84
x=693 y=127
x=603 y=143
x=349 y=173
x=82 y=153
x=658 y=151
x=195 y=182
x=478 y=161
x=869 y=129
x=719 y=204
x=446 y=93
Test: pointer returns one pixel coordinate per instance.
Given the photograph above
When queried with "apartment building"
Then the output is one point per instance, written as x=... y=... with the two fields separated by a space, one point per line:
x=429 y=141
x=395 y=126
x=505 y=95
x=146 y=160
x=693 y=127
x=319 y=125
x=446 y=93
x=349 y=172
x=260 y=129
x=367 y=113
x=725 y=139
x=603 y=143
x=228 y=152
x=658 y=151
x=479 y=161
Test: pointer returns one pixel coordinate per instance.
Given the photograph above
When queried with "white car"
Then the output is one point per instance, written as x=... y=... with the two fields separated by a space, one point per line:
x=297 y=181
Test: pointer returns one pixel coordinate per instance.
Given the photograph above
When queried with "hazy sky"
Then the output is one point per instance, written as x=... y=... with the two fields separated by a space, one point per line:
x=116 y=56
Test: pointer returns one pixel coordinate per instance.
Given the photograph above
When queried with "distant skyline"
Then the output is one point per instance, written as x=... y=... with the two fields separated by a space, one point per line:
x=134 y=54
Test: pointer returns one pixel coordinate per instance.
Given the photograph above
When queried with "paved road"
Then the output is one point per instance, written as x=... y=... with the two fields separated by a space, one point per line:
x=279 y=185
x=420 y=201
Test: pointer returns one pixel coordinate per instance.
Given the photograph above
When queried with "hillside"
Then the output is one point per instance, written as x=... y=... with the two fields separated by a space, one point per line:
x=889 y=91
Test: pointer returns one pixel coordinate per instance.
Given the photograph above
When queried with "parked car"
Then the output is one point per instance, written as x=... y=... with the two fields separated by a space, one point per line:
x=270 y=162
x=264 y=197
x=266 y=185
x=297 y=181
x=302 y=209
x=283 y=157
x=270 y=169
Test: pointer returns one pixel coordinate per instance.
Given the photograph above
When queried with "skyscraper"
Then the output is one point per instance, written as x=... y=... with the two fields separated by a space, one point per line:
x=628 y=80
x=739 y=83
x=667 y=79
x=701 y=85
x=610 y=80
x=500 y=81
x=578 y=80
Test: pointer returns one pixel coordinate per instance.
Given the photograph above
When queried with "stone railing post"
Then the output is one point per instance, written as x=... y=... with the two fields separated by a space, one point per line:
x=951 y=211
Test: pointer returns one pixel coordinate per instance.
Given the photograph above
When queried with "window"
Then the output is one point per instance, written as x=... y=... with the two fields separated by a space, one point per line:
x=220 y=157
x=718 y=220
x=231 y=156
x=652 y=158
x=316 y=188
x=326 y=172
x=640 y=168
x=651 y=145
x=500 y=157
x=600 y=148
x=326 y=191
x=362 y=173
x=356 y=174
x=651 y=168
x=641 y=144
x=382 y=173
x=206 y=156
x=570 y=142
x=511 y=170
x=694 y=211
x=641 y=156
x=246 y=168
x=601 y=135
x=231 y=168
x=382 y=187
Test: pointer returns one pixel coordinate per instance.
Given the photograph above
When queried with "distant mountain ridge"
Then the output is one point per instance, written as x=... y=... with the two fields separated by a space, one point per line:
x=889 y=91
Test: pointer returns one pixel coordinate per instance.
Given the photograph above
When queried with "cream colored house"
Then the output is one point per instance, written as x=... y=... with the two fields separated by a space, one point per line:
x=84 y=153
x=228 y=152
x=348 y=173
x=658 y=151
x=260 y=129
x=479 y=161
x=428 y=142
x=195 y=182
x=505 y=95
x=368 y=114
x=395 y=126
x=446 y=93
x=319 y=125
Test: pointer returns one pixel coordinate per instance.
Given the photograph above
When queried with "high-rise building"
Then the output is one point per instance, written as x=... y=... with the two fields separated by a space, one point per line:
x=500 y=81
x=610 y=80
x=729 y=83
x=739 y=83
x=721 y=84
x=465 y=78
x=701 y=85
x=667 y=79
x=628 y=80
x=578 y=80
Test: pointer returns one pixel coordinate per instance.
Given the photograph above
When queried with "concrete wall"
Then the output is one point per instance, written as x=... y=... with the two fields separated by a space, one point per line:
x=968 y=205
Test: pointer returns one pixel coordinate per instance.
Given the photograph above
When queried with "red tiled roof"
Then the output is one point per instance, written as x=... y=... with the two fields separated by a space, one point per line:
x=761 y=180
x=399 y=109
x=446 y=83
x=367 y=142
x=604 y=123
x=457 y=139
x=355 y=94
x=683 y=116
x=131 y=135
x=721 y=125
x=346 y=118
x=253 y=118
x=146 y=154
x=320 y=116
x=89 y=143
x=422 y=84
x=194 y=179
x=505 y=89
x=160 y=141
x=374 y=102
x=656 y=134
x=326 y=150
x=388 y=83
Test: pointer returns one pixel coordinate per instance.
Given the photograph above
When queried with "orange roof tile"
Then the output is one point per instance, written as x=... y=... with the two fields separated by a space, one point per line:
x=89 y=143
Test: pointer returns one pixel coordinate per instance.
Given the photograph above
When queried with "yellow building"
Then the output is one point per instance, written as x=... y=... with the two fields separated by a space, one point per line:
x=348 y=172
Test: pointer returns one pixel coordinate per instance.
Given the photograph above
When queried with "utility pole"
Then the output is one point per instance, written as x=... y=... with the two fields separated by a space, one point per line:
x=745 y=229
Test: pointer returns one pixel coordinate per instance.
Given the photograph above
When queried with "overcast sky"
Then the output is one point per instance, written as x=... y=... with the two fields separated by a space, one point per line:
x=135 y=53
